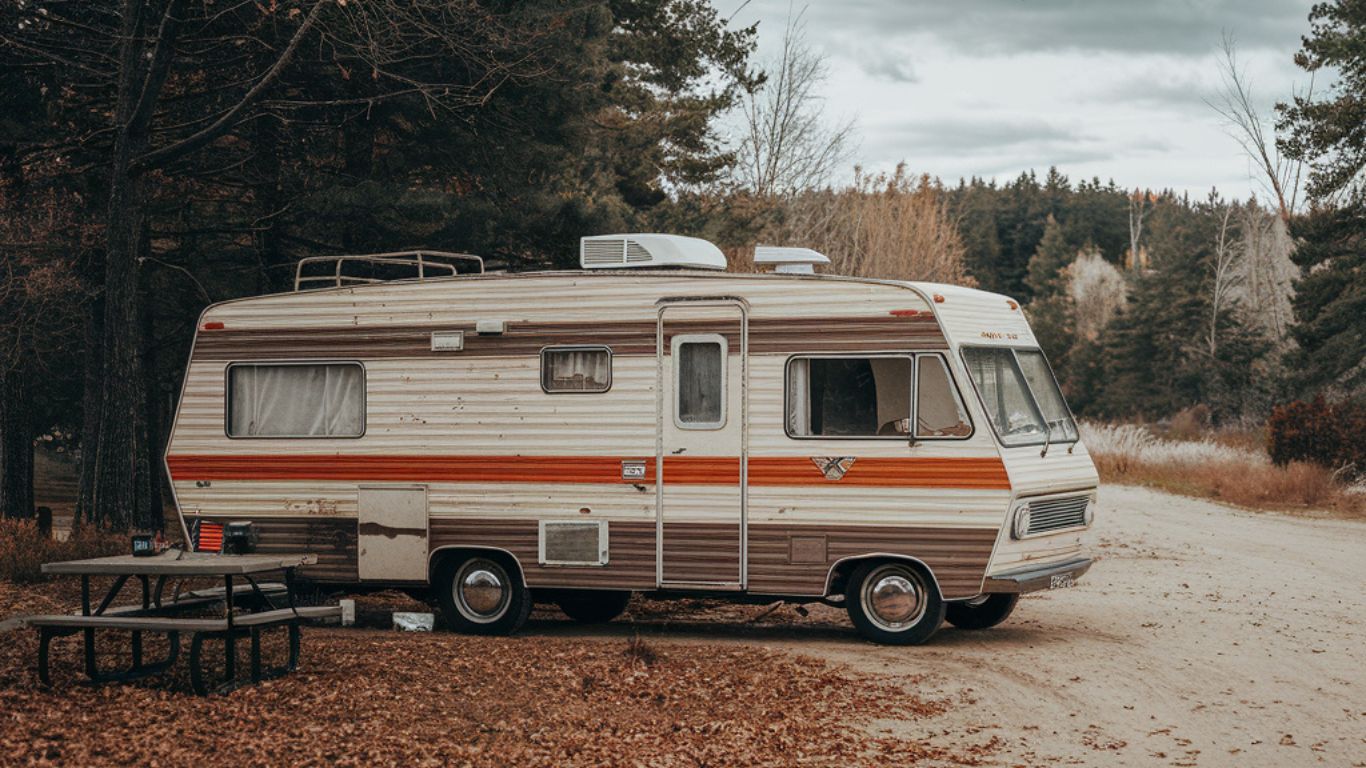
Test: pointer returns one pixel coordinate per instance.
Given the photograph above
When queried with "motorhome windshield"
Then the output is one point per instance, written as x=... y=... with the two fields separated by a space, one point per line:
x=1020 y=396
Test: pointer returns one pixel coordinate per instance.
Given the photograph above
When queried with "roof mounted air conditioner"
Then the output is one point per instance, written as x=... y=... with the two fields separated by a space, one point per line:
x=648 y=250
x=790 y=261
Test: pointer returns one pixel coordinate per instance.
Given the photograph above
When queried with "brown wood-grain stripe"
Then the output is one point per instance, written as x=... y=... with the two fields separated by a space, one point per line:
x=957 y=556
x=631 y=551
x=693 y=552
x=333 y=539
x=766 y=336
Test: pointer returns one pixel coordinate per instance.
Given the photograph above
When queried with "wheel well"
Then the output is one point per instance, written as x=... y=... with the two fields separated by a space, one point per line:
x=446 y=556
x=838 y=577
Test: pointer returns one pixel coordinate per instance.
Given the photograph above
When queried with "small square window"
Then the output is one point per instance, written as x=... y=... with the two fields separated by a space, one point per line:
x=576 y=369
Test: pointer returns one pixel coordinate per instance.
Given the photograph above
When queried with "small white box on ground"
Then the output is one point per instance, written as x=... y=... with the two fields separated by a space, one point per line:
x=348 y=617
x=414 y=622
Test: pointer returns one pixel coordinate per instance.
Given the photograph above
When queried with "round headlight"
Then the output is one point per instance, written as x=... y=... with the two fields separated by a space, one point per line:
x=1020 y=528
x=1089 y=516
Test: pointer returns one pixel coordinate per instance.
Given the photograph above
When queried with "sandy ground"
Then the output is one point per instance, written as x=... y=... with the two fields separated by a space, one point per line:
x=1205 y=636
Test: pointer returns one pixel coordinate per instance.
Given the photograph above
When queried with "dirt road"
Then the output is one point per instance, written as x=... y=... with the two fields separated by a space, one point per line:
x=1205 y=636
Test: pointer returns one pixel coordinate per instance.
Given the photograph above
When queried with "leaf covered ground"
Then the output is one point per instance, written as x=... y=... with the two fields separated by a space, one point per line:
x=375 y=697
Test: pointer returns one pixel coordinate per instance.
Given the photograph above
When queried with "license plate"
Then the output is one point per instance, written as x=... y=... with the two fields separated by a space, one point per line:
x=1061 y=581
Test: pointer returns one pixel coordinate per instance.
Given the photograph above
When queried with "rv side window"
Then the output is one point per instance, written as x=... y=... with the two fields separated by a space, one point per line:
x=849 y=397
x=296 y=400
x=576 y=369
x=700 y=381
x=939 y=411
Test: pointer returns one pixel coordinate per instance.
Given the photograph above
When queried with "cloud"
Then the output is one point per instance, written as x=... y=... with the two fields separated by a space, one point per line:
x=976 y=136
x=994 y=27
x=887 y=64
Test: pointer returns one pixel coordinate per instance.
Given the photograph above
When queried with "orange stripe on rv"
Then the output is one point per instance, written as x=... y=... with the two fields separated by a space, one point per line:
x=988 y=473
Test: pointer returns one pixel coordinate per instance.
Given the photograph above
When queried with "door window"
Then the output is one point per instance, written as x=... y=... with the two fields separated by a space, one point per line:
x=699 y=381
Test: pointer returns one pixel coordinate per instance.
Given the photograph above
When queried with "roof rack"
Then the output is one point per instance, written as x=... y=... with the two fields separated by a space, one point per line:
x=424 y=265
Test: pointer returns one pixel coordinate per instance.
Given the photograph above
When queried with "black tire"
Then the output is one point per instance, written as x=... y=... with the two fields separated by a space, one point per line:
x=911 y=607
x=494 y=600
x=984 y=612
x=592 y=606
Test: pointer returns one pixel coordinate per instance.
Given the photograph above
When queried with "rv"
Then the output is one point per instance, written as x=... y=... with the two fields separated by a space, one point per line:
x=648 y=423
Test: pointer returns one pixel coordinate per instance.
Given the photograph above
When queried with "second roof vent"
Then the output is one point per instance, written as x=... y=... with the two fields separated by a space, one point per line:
x=790 y=261
x=648 y=250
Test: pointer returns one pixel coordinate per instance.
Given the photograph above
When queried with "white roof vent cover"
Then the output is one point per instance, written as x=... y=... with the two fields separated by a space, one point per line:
x=648 y=250
x=792 y=261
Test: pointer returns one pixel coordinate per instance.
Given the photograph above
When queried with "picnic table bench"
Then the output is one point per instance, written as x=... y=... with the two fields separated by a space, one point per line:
x=249 y=609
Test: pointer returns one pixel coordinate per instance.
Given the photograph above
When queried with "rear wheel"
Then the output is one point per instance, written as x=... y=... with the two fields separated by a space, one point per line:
x=592 y=606
x=893 y=602
x=483 y=594
x=981 y=612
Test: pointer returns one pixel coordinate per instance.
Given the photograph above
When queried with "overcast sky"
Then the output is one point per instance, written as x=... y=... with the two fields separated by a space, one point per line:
x=1107 y=88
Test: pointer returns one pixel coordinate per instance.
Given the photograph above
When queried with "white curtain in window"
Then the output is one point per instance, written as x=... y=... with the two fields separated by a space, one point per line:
x=574 y=370
x=326 y=400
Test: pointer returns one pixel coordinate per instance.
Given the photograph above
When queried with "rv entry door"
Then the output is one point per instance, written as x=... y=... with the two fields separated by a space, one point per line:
x=702 y=347
x=393 y=532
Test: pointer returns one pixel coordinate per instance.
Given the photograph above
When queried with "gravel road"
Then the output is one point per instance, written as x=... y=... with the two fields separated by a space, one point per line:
x=1205 y=636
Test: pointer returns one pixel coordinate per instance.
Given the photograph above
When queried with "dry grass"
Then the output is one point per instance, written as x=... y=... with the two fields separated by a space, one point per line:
x=1226 y=468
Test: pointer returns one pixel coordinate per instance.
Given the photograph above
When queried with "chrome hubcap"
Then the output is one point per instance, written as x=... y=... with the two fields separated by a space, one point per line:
x=481 y=590
x=895 y=597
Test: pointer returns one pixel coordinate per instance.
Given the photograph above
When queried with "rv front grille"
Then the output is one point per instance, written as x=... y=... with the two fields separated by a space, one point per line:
x=1056 y=514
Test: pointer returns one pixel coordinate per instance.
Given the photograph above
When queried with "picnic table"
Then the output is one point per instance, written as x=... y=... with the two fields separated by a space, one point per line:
x=249 y=609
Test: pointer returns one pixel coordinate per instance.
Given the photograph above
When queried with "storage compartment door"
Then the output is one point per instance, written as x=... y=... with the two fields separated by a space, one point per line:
x=393 y=532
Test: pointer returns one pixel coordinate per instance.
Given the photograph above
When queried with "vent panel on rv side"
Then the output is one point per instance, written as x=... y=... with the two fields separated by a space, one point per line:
x=571 y=542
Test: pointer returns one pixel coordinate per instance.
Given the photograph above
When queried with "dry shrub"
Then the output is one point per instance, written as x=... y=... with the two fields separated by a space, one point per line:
x=24 y=549
x=1129 y=453
x=892 y=227
x=1190 y=423
x=641 y=651
x=1327 y=434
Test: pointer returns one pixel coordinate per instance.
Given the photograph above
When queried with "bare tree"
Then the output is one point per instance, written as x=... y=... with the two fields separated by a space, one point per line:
x=1139 y=206
x=1268 y=274
x=1226 y=277
x=786 y=144
x=1279 y=175
x=1098 y=291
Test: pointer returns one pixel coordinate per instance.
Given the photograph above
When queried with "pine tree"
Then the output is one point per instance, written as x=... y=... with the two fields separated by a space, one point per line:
x=1047 y=274
x=1330 y=300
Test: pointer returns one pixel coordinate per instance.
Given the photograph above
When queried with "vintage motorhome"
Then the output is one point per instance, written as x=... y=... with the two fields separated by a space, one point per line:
x=650 y=422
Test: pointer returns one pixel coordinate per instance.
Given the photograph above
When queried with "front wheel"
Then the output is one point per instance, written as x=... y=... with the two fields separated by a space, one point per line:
x=981 y=612
x=893 y=603
x=482 y=595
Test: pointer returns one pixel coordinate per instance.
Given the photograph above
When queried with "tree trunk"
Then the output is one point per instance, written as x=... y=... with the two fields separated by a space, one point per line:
x=122 y=481
x=16 y=444
x=91 y=396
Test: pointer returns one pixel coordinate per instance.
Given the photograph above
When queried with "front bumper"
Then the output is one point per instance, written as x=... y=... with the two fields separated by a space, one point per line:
x=1033 y=578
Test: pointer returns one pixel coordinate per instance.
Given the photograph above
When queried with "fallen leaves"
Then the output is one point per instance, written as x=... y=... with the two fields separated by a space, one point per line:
x=365 y=697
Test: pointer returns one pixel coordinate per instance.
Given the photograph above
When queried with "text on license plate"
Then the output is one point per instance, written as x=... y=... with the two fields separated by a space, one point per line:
x=1061 y=581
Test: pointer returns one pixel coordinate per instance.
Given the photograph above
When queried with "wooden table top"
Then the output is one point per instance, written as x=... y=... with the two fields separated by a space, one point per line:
x=177 y=563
